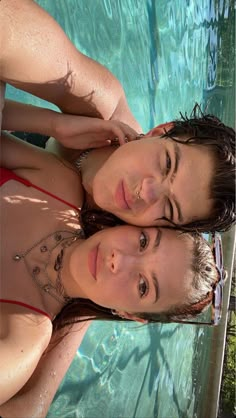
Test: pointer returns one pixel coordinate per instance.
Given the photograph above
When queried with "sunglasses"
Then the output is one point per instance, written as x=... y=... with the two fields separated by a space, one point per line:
x=217 y=299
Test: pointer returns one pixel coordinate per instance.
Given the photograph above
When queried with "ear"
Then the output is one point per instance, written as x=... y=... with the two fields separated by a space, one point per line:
x=160 y=129
x=131 y=317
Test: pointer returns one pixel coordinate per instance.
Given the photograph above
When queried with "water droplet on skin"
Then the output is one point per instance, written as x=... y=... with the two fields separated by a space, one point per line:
x=53 y=373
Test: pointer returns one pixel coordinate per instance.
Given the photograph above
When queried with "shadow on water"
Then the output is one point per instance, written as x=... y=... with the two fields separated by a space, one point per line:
x=200 y=366
x=155 y=349
x=155 y=49
x=158 y=346
x=157 y=361
x=219 y=94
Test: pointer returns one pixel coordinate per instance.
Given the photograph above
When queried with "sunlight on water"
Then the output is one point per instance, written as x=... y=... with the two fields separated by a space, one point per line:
x=168 y=55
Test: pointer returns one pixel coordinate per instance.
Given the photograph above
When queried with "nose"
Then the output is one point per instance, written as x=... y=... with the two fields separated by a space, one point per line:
x=151 y=190
x=115 y=262
x=119 y=262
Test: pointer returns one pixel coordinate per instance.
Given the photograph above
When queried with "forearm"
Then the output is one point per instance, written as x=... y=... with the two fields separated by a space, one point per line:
x=28 y=118
x=38 y=57
x=34 y=400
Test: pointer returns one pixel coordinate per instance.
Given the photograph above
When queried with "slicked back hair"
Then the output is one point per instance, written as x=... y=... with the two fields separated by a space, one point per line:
x=219 y=139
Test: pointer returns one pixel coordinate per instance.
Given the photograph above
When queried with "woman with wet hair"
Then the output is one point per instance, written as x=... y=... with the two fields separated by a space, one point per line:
x=53 y=277
x=180 y=174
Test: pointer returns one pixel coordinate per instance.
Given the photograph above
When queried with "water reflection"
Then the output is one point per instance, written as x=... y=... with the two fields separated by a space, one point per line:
x=168 y=55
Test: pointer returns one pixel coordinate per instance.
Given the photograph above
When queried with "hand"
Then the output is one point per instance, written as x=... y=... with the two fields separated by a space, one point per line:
x=80 y=132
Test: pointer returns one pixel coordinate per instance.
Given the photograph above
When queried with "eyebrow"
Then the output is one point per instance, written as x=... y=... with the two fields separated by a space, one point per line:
x=156 y=287
x=179 y=213
x=154 y=277
x=157 y=239
x=177 y=153
x=177 y=159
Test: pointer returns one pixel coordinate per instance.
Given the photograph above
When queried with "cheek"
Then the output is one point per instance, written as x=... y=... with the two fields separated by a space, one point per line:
x=108 y=297
x=115 y=293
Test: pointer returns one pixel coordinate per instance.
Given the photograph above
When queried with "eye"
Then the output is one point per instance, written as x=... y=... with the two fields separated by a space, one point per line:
x=143 y=241
x=168 y=163
x=143 y=287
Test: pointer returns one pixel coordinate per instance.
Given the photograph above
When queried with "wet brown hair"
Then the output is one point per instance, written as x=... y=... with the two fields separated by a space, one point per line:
x=207 y=130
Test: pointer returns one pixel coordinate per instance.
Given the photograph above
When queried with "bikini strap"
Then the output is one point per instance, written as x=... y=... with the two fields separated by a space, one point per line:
x=25 y=305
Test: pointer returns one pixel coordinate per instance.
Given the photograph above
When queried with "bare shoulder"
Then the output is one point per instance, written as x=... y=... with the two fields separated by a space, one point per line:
x=24 y=336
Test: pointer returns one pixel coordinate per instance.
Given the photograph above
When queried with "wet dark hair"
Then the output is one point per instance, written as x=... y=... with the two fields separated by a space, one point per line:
x=199 y=296
x=207 y=130
x=94 y=220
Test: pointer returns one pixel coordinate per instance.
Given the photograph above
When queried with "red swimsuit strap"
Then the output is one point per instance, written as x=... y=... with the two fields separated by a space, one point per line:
x=6 y=175
x=25 y=305
x=55 y=197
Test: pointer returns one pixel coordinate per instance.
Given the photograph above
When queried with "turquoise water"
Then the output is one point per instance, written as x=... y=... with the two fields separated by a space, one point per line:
x=168 y=54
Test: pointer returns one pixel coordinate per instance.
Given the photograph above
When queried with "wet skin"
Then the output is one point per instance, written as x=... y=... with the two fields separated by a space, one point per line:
x=154 y=178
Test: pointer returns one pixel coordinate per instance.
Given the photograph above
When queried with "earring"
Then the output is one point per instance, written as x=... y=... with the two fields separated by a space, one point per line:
x=139 y=136
x=138 y=195
x=113 y=312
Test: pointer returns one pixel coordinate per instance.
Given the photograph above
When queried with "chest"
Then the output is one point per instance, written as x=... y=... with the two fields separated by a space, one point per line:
x=28 y=217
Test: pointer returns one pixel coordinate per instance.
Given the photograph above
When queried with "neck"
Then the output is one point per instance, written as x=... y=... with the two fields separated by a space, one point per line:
x=71 y=286
x=48 y=263
x=91 y=165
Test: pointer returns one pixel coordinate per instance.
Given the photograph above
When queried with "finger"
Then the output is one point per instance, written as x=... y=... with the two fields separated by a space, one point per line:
x=133 y=134
x=129 y=132
x=119 y=136
x=123 y=133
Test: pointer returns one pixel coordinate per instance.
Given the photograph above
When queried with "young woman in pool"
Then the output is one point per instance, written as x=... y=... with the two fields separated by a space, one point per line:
x=146 y=177
x=118 y=273
x=185 y=179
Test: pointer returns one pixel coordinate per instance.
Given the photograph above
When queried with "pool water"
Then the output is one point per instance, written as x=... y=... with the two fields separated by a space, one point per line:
x=168 y=54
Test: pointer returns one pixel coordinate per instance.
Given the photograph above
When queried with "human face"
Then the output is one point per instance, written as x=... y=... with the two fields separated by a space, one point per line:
x=144 y=181
x=133 y=269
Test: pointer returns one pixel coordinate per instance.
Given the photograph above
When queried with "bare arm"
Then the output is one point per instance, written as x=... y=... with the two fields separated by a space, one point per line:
x=34 y=400
x=26 y=118
x=38 y=57
x=73 y=131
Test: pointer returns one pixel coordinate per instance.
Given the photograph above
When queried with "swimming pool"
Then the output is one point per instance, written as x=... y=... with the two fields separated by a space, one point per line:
x=168 y=54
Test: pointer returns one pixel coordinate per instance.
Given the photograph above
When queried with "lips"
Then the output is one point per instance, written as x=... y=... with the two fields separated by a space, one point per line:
x=120 y=197
x=128 y=198
x=92 y=262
